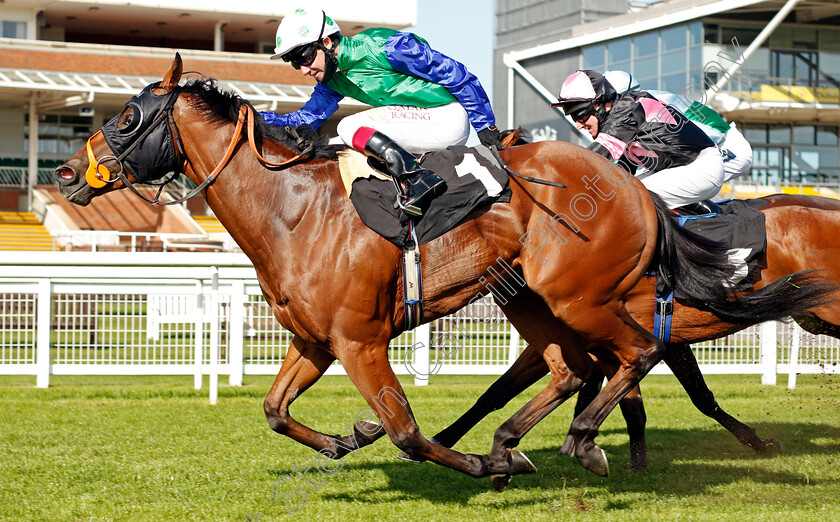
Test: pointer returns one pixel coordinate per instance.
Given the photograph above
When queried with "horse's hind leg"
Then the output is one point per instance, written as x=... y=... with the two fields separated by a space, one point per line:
x=565 y=381
x=304 y=364
x=683 y=364
x=637 y=351
x=528 y=369
x=632 y=408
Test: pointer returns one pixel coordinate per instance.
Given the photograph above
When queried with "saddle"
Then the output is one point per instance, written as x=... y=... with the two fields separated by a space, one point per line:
x=473 y=179
x=738 y=227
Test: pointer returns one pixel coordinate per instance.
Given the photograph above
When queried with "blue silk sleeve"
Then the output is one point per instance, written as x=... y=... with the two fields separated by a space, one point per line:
x=322 y=104
x=409 y=55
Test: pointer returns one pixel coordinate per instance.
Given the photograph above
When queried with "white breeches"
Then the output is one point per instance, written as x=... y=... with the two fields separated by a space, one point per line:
x=415 y=129
x=701 y=179
x=735 y=143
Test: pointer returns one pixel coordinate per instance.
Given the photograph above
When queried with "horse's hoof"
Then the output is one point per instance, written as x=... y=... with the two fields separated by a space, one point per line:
x=500 y=482
x=639 y=466
x=520 y=464
x=770 y=446
x=595 y=460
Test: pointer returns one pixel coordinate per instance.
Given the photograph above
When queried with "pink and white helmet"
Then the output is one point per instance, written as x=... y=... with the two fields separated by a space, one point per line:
x=585 y=94
x=584 y=88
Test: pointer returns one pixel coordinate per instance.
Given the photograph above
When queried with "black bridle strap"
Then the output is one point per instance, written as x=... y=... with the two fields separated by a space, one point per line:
x=244 y=111
x=177 y=138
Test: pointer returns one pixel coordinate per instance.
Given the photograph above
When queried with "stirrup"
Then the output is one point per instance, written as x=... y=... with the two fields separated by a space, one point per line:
x=429 y=184
x=408 y=208
x=699 y=208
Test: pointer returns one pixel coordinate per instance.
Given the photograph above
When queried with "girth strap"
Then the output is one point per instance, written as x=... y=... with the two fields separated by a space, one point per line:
x=412 y=281
x=662 y=314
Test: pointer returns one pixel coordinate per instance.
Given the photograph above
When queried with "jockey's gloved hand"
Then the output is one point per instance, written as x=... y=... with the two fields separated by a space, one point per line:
x=303 y=135
x=490 y=136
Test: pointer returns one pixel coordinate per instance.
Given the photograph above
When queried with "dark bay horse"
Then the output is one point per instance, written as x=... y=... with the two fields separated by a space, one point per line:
x=803 y=232
x=335 y=284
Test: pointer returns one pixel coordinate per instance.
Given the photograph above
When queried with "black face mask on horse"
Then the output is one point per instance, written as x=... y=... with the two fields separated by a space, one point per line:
x=138 y=139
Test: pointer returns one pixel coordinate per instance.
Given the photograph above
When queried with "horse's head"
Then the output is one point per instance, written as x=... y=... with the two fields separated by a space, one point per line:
x=135 y=146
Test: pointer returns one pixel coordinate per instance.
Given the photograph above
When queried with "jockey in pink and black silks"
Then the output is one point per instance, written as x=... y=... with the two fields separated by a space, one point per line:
x=678 y=160
x=422 y=100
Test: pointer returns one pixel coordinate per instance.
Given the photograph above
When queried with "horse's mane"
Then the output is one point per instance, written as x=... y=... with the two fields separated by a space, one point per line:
x=223 y=107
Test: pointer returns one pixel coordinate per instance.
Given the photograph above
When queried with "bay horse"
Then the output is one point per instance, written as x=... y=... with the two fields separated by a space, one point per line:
x=335 y=283
x=803 y=232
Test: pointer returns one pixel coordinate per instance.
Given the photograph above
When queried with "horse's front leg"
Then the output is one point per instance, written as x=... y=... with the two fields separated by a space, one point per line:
x=304 y=364
x=369 y=369
x=565 y=381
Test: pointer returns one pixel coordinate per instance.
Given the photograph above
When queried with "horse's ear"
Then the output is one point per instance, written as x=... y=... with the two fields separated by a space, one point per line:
x=173 y=76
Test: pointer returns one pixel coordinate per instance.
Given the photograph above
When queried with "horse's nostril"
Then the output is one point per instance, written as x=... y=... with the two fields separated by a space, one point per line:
x=65 y=173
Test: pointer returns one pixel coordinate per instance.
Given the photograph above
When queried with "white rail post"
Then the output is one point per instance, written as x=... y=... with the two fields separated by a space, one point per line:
x=513 y=346
x=769 y=341
x=236 y=332
x=421 y=355
x=794 y=355
x=215 y=320
x=42 y=336
x=199 y=333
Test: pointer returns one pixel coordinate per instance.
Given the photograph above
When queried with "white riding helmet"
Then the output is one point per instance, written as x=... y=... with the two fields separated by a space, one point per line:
x=621 y=81
x=302 y=27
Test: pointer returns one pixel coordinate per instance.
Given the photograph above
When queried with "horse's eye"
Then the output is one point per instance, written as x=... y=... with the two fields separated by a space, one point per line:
x=130 y=118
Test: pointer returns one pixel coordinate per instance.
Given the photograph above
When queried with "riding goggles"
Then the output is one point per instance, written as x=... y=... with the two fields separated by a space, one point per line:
x=302 y=56
x=581 y=113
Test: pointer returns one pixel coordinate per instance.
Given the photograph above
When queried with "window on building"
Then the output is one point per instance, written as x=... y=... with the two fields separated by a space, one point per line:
x=60 y=134
x=13 y=29
x=618 y=51
x=827 y=135
x=711 y=33
x=803 y=134
x=664 y=59
x=593 y=57
x=809 y=156
x=674 y=38
x=743 y=35
x=646 y=44
x=799 y=66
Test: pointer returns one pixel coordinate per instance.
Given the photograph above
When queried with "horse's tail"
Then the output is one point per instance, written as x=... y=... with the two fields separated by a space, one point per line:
x=698 y=270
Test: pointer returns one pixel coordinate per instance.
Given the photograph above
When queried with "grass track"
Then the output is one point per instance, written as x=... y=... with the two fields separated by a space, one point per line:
x=152 y=448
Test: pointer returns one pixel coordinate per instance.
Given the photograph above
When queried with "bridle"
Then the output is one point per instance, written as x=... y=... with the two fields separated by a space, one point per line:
x=96 y=178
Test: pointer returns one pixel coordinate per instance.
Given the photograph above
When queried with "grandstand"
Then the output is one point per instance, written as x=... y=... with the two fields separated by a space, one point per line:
x=23 y=231
x=70 y=66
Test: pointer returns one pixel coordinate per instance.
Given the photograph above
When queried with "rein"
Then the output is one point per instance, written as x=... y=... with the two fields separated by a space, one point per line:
x=96 y=177
x=512 y=172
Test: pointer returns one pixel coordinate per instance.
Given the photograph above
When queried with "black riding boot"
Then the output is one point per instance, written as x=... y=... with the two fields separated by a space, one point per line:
x=699 y=208
x=423 y=184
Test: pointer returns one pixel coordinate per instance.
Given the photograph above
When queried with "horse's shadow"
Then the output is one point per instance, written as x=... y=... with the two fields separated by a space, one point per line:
x=683 y=467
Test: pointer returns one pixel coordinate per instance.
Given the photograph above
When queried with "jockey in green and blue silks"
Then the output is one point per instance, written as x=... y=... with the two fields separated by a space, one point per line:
x=423 y=100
